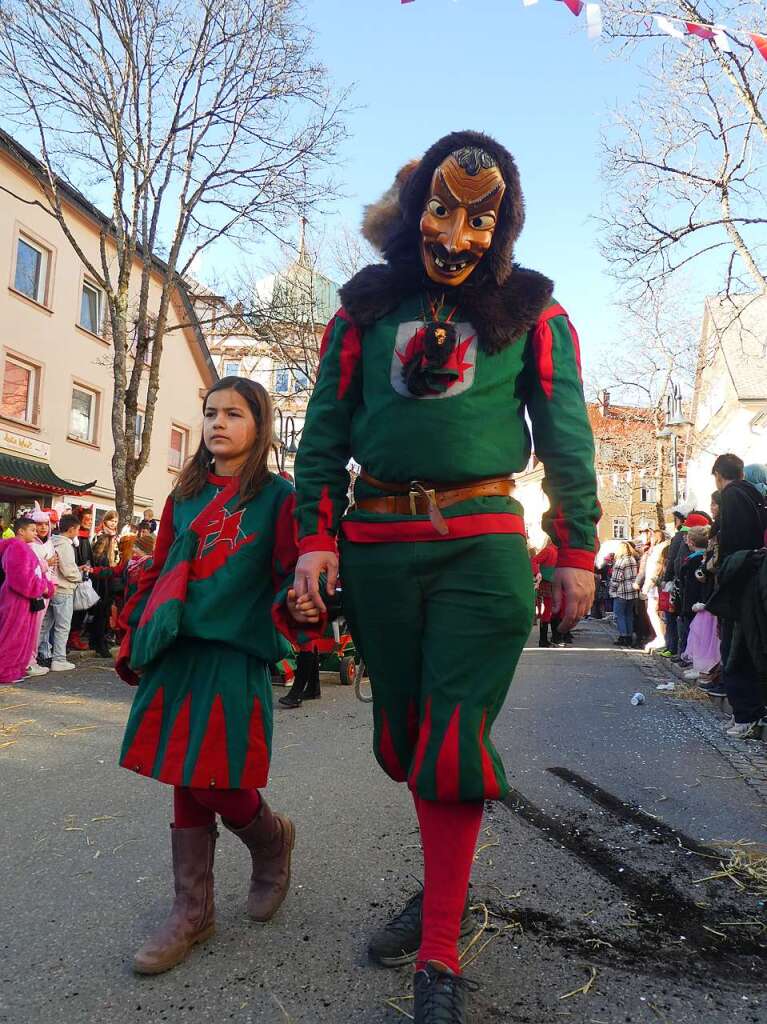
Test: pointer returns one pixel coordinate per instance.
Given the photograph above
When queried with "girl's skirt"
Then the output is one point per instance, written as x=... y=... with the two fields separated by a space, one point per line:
x=202 y=717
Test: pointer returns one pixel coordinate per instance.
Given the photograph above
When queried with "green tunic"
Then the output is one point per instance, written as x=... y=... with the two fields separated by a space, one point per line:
x=202 y=634
x=476 y=427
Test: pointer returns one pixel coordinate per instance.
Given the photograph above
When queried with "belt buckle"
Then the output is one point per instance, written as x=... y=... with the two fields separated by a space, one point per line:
x=414 y=495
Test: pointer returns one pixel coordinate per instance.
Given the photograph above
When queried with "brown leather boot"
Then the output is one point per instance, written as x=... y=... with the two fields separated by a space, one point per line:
x=191 y=919
x=270 y=839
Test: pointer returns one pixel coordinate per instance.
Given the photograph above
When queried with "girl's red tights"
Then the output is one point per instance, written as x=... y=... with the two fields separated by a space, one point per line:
x=197 y=808
x=449 y=837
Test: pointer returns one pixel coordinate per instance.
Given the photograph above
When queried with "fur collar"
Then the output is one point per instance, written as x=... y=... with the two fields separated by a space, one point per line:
x=500 y=313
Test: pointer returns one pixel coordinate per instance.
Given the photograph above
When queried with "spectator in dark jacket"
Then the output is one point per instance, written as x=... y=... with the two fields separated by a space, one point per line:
x=741 y=528
x=741 y=520
x=676 y=548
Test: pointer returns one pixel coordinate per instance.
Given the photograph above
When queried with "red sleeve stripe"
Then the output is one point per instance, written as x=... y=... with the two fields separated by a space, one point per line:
x=348 y=357
x=543 y=345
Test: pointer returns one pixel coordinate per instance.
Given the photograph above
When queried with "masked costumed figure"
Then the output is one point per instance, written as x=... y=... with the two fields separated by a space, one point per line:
x=426 y=376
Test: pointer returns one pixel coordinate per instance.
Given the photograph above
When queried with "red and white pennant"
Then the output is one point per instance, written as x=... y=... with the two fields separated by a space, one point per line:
x=720 y=35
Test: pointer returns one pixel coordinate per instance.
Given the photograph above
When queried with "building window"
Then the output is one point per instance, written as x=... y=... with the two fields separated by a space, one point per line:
x=82 y=417
x=301 y=380
x=648 y=492
x=282 y=382
x=90 y=308
x=620 y=528
x=19 y=390
x=179 y=445
x=231 y=367
x=31 y=277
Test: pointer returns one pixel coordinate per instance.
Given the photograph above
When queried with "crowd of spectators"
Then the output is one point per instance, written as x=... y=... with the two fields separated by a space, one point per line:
x=62 y=584
x=699 y=597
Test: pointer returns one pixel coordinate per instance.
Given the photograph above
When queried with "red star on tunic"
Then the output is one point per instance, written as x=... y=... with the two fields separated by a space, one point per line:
x=223 y=528
x=460 y=351
x=457 y=359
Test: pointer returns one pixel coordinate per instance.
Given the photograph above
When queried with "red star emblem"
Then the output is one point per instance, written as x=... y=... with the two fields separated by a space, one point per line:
x=460 y=351
x=225 y=528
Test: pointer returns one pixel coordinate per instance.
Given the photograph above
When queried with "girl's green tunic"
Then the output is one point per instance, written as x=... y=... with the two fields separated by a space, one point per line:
x=202 y=633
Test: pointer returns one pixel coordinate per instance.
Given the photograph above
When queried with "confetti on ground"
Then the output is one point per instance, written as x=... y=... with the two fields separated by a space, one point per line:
x=586 y=988
x=74 y=729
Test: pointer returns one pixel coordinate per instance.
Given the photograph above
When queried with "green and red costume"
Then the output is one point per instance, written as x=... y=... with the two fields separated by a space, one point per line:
x=430 y=387
x=201 y=634
x=441 y=620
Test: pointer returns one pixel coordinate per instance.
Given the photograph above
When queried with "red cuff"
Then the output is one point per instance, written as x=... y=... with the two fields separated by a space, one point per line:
x=317 y=542
x=575 y=558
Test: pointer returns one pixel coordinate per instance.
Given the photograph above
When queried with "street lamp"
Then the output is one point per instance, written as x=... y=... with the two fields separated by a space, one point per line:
x=284 y=438
x=676 y=423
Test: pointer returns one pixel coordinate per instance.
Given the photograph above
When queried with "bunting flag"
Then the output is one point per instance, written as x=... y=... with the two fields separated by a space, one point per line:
x=667 y=26
x=593 y=21
x=760 y=42
x=719 y=35
x=702 y=31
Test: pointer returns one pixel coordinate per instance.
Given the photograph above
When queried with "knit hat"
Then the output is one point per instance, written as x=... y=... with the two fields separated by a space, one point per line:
x=695 y=519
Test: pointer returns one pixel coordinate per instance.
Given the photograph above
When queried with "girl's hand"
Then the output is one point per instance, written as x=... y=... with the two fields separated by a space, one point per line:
x=302 y=609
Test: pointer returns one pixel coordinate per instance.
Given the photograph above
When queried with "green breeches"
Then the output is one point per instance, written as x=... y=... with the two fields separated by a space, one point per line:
x=441 y=625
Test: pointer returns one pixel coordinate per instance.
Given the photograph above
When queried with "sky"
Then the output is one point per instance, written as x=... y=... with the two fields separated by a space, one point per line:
x=528 y=76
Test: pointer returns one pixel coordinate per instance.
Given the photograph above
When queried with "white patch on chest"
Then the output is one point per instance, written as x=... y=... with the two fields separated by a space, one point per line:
x=466 y=349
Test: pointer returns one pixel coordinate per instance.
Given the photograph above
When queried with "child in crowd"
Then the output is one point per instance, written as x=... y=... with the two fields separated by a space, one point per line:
x=24 y=585
x=702 y=649
x=200 y=632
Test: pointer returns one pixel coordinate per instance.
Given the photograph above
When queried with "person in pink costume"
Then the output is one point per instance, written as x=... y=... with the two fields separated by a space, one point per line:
x=23 y=588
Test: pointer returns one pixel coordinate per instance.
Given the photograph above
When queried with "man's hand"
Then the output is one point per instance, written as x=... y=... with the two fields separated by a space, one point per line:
x=574 y=594
x=307 y=576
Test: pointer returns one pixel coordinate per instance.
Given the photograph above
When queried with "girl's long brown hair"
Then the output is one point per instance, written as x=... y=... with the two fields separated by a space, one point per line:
x=254 y=473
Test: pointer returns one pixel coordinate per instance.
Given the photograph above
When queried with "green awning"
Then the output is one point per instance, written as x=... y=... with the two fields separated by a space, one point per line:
x=37 y=476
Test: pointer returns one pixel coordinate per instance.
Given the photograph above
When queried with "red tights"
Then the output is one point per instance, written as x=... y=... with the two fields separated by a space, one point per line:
x=197 y=808
x=449 y=837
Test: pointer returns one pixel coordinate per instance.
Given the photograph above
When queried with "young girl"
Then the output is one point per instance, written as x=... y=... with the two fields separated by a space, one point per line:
x=200 y=630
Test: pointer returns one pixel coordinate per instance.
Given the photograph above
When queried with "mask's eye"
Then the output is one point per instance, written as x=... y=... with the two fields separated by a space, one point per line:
x=437 y=208
x=483 y=222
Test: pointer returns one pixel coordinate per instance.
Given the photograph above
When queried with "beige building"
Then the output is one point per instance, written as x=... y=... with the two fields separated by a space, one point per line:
x=729 y=409
x=56 y=359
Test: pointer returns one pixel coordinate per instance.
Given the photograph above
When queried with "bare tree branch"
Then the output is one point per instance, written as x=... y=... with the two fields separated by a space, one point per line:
x=191 y=121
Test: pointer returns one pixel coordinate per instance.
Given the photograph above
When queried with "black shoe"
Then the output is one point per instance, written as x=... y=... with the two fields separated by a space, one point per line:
x=45 y=662
x=567 y=639
x=712 y=689
x=544 y=643
x=102 y=650
x=290 y=700
x=398 y=941
x=620 y=642
x=440 y=996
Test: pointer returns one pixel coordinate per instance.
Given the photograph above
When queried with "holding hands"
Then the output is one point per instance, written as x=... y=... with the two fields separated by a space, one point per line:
x=305 y=602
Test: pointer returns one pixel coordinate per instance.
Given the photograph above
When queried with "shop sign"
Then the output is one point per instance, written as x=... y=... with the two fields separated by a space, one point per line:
x=19 y=444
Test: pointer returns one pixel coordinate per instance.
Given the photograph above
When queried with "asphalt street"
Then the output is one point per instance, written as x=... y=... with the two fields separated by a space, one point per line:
x=587 y=892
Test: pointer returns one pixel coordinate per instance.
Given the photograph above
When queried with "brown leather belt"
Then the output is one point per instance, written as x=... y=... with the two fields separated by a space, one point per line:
x=424 y=497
